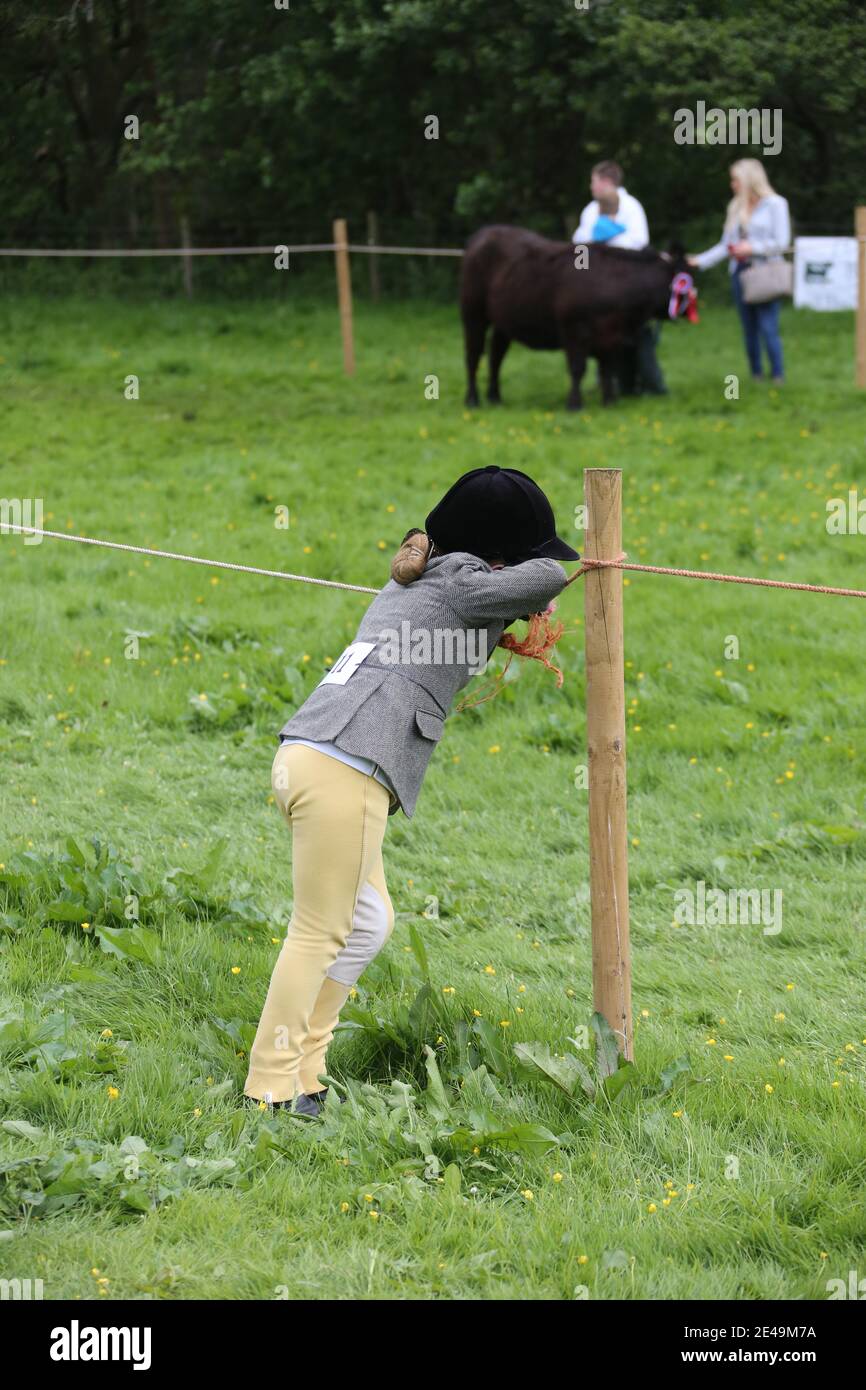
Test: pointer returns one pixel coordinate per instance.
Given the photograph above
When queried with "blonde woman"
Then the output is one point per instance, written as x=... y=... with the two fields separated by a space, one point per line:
x=757 y=229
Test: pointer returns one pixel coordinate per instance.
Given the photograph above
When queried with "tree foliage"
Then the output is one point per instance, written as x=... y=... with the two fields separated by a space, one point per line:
x=261 y=123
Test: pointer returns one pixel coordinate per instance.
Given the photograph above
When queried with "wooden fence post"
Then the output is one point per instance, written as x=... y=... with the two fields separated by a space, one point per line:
x=605 y=737
x=344 y=293
x=860 y=229
x=373 y=240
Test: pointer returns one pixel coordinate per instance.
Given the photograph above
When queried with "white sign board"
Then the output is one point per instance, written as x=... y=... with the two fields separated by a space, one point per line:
x=825 y=272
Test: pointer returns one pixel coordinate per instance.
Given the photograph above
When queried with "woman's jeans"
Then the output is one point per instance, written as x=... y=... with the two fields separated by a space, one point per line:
x=760 y=324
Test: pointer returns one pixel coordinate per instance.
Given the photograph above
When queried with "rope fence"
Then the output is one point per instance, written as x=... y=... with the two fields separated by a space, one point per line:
x=184 y=251
x=620 y=564
x=357 y=248
x=342 y=248
x=190 y=559
x=586 y=565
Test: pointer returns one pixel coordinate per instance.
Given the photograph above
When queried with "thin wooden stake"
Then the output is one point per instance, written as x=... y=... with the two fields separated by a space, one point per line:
x=344 y=293
x=373 y=240
x=605 y=737
x=860 y=229
x=186 y=243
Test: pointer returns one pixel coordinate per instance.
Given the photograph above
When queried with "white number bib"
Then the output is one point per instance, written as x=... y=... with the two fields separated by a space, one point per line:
x=347 y=663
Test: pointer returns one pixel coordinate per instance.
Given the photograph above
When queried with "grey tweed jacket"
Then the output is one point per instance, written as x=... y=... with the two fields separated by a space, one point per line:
x=422 y=643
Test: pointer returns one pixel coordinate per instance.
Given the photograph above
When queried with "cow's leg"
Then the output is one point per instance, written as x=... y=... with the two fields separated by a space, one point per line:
x=575 y=352
x=474 y=333
x=607 y=376
x=628 y=368
x=499 y=345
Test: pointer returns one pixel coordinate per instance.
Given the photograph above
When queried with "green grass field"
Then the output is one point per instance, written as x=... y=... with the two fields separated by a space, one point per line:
x=138 y=789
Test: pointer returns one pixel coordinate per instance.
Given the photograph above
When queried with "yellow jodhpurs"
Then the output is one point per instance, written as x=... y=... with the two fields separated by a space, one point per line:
x=342 y=915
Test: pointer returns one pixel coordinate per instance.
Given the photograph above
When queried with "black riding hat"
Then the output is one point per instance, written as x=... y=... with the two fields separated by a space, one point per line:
x=497 y=511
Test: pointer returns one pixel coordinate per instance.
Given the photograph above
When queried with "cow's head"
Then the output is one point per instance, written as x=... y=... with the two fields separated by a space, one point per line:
x=682 y=299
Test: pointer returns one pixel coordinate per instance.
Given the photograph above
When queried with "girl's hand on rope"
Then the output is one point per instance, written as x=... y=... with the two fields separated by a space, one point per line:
x=409 y=562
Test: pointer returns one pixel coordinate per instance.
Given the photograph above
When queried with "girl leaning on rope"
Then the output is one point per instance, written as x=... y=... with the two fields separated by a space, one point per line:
x=357 y=750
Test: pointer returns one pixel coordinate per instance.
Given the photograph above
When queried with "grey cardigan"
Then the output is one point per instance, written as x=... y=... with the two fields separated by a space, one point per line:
x=769 y=232
x=392 y=708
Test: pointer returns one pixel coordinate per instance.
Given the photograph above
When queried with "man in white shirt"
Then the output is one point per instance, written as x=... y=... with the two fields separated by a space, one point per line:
x=614 y=207
x=616 y=218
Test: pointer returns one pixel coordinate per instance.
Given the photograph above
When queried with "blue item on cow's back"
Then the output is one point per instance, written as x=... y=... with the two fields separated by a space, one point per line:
x=605 y=228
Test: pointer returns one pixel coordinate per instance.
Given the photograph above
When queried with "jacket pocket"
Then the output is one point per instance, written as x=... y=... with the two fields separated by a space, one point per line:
x=429 y=725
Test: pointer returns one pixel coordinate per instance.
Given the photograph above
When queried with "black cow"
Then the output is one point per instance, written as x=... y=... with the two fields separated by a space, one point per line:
x=587 y=300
